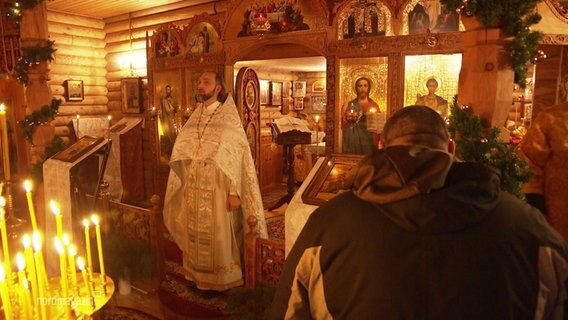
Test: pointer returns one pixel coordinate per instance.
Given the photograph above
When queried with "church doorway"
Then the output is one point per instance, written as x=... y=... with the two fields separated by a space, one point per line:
x=288 y=90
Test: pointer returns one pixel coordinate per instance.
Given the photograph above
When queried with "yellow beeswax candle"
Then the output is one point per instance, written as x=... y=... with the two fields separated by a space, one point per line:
x=95 y=220
x=62 y=267
x=58 y=218
x=5 y=295
x=4 y=235
x=28 y=188
x=32 y=277
x=81 y=266
x=71 y=253
x=88 y=246
x=5 y=142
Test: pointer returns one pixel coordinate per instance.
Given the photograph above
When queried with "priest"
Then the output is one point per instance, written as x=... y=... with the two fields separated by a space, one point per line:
x=212 y=190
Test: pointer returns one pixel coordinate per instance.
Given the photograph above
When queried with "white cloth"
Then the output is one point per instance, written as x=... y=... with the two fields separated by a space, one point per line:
x=57 y=187
x=91 y=126
x=298 y=212
x=113 y=174
x=224 y=148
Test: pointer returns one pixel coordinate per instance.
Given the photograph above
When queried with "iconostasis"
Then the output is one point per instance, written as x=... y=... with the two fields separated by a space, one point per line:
x=380 y=55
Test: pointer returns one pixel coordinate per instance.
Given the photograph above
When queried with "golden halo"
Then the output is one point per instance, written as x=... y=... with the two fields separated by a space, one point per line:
x=425 y=87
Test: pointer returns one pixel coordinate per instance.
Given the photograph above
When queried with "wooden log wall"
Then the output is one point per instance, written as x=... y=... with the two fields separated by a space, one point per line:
x=80 y=55
x=97 y=51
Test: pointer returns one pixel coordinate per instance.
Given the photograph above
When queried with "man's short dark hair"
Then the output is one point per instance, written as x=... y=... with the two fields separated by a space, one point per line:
x=416 y=124
x=432 y=80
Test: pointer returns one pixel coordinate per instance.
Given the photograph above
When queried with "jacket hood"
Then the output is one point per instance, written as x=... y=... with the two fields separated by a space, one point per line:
x=439 y=195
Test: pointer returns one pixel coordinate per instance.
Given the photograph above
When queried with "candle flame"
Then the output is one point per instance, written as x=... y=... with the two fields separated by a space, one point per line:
x=20 y=261
x=78 y=116
x=80 y=263
x=2 y=108
x=54 y=207
x=95 y=219
x=27 y=241
x=28 y=185
x=36 y=240
x=2 y=202
x=72 y=250
x=373 y=110
x=58 y=246
x=317 y=118
x=65 y=239
x=109 y=117
x=86 y=223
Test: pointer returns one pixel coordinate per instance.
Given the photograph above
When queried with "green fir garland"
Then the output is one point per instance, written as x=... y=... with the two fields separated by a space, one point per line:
x=475 y=144
x=31 y=58
x=515 y=18
x=37 y=118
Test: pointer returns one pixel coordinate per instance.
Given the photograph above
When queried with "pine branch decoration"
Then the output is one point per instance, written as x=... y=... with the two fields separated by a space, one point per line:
x=31 y=58
x=515 y=18
x=475 y=144
x=37 y=118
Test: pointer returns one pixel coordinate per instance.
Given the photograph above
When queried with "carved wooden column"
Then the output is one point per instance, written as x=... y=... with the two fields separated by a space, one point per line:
x=33 y=31
x=486 y=78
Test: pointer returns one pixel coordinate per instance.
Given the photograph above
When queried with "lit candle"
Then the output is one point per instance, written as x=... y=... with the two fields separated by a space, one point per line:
x=28 y=188
x=4 y=294
x=32 y=277
x=71 y=253
x=21 y=263
x=27 y=302
x=63 y=270
x=88 y=246
x=40 y=272
x=95 y=220
x=78 y=117
x=62 y=267
x=5 y=142
x=4 y=234
x=58 y=218
x=81 y=266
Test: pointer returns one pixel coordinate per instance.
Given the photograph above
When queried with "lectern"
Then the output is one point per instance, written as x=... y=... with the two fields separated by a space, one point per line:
x=289 y=139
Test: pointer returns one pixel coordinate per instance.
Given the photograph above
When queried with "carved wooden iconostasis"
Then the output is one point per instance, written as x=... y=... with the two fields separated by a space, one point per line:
x=357 y=38
x=399 y=46
x=176 y=57
x=379 y=40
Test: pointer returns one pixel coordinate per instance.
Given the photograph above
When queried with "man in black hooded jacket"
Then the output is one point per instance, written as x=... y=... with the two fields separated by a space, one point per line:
x=423 y=236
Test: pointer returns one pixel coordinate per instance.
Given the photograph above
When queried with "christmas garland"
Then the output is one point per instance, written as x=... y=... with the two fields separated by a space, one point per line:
x=475 y=144
x=31 y=58
x=515 y=18
x=37 y=118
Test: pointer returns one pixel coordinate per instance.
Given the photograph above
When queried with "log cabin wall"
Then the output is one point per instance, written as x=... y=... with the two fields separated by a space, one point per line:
x=80 y=55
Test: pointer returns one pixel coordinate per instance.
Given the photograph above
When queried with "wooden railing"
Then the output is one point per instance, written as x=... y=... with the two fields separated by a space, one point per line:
x=264 y=258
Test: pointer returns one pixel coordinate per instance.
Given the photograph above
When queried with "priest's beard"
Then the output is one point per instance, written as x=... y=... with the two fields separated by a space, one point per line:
x=202 y=97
